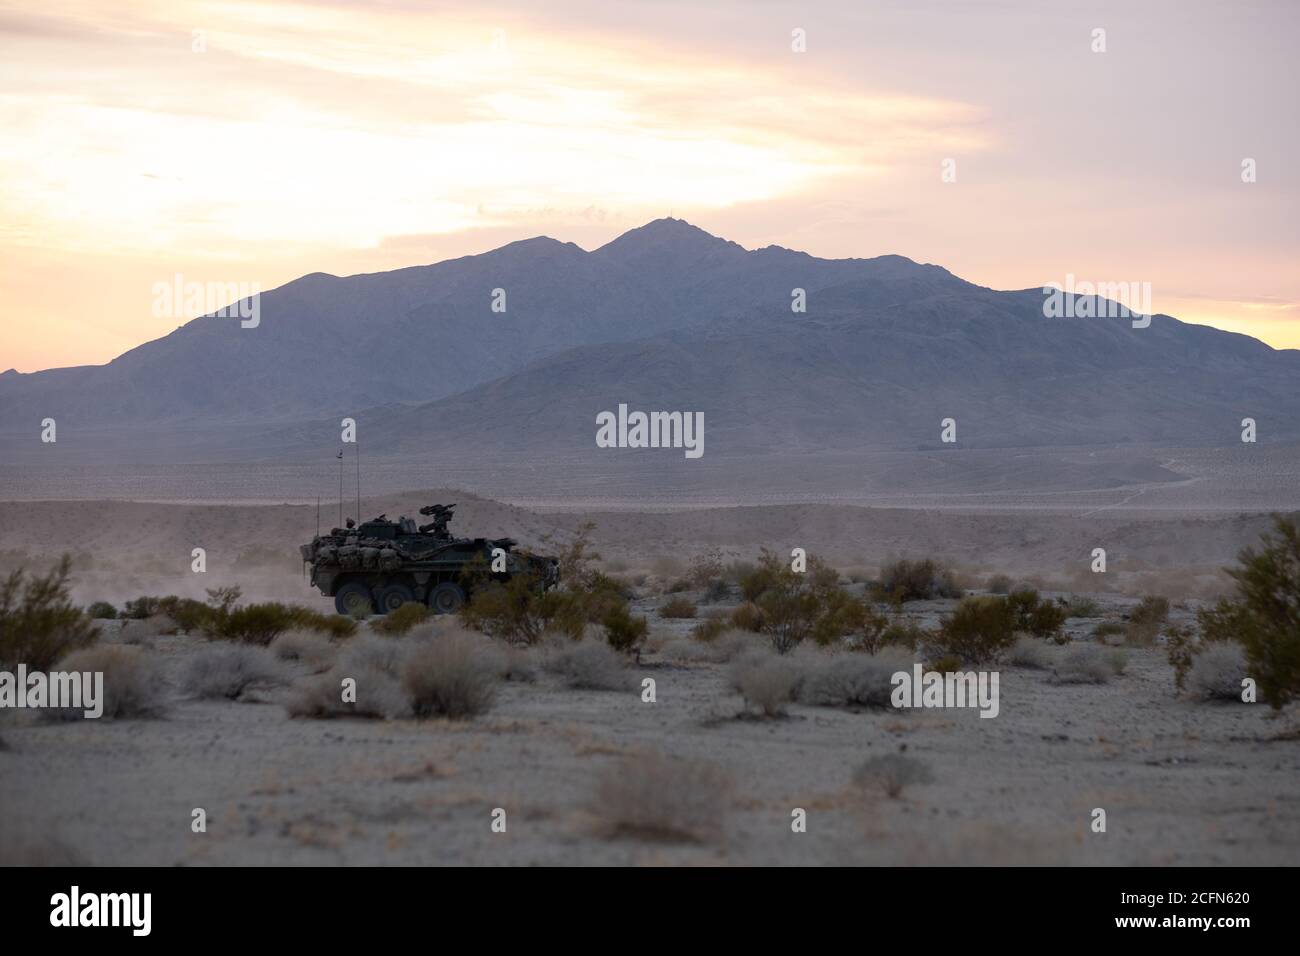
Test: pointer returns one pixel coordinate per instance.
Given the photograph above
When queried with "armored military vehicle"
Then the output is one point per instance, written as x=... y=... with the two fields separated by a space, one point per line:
x=385 y=564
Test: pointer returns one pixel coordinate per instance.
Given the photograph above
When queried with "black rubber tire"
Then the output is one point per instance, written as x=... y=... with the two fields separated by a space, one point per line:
x=349 y=593
x=392 y=597
x=446 y=598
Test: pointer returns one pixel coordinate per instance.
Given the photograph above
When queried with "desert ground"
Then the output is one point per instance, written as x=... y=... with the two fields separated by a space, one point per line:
x=1182 y=781
x=599 y=775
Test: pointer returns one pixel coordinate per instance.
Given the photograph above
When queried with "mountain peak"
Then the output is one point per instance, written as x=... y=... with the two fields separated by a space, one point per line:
x=668 y=238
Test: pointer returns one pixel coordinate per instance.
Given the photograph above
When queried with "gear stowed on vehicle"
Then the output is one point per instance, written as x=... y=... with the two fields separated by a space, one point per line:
x=386 y=563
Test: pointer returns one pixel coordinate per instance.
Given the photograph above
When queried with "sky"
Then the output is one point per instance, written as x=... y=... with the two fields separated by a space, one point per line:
x=249 y=143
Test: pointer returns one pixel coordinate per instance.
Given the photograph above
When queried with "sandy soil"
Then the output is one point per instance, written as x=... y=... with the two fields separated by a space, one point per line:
x=125 y=548
x=1182 y=781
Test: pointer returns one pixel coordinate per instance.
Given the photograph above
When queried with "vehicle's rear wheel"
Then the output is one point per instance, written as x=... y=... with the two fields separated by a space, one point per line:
x=446 y=598
x=353 y=598
x=394 y=596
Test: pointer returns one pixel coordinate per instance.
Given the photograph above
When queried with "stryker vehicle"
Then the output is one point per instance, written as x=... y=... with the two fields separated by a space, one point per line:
x=385 y=564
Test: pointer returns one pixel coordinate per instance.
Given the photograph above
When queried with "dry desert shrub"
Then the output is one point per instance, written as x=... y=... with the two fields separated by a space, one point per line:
x=978 y=630
x=709 y=627
x=307 y=647
x=1077 y=605
x=516 y=665
x=1116 y=659
x=144 y=630
x=853 y=680
x=589 y=665
x=684 y=650
x=402 y=620
x=224 y=671
x=892 y=773
x=998 y=584
x=1084 y=664
x=748 y=617
x=624 y=631
x=101 y=610
x=1030 y=653
x=1107 y=629
x=1218 y=670
x=133 y=681
x=917 y=580
x=38 y=622
x=454 y=675
x=766 y=682
x=1264 y=614
x=655 y=797
x=677 y=607
x=374 y=665
x=1146 y=621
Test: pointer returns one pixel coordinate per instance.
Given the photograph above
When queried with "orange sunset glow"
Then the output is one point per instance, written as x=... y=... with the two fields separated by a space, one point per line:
x=256 y=142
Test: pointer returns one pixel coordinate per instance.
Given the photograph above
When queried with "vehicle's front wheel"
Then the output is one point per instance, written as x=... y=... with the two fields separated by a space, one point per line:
x=353 y=598
x=446 y=598
x=393 y=597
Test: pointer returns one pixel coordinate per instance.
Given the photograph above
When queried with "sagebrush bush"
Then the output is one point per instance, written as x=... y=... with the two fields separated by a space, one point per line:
x=678 y=607
x=748 y=617
x=852 y=680
x=654 y=797
x=1146 y=620
x=306 y=646
x=134 y=685
x=998 y=584
x=1030 y=653
x=892 y=773
x=402 y=620
x=374 y=664
x=791 y=607
x=38 y=622
x=979 y=630
x=229 y=671
x=1083 y=664
x=1108 y=629
x=453 y=675
x=589 y=665
x=101 y=610
x=917 y=580
x=334 y=625
x=188 y=614
x=1036 y=616
x=251 y=623
x=721 y=649
x=1218 y=670
x=1264 y=616
x=624 y=631
x=873 y=629
x=516 y=665
x=717 y=591
x=709 y=628
x=1079 y=606
x=143 y=630
x=765 y=681
x=904 y=632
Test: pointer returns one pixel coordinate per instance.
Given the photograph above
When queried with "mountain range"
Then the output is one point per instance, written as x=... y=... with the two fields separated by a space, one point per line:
x=669 y=317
